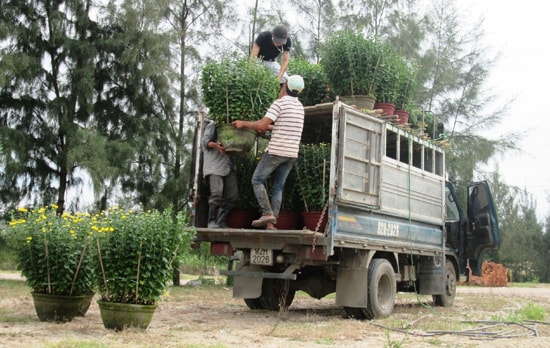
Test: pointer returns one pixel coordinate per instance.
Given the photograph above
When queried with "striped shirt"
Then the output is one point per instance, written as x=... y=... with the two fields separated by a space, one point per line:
x=287 y=114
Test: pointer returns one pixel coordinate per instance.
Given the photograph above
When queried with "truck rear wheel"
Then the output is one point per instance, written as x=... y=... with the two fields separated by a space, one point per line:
x=381 y=292
x=274 y=293
x=448 y=297
x=253 y=303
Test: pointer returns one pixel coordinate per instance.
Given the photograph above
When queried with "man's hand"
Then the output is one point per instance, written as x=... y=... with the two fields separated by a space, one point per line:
x=238 y=124
x=216 y=145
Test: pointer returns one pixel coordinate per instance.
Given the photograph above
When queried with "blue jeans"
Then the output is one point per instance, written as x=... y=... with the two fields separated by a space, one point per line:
x=279 y=167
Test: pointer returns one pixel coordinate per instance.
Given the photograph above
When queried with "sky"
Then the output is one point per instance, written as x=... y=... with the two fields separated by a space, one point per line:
x=517 y=31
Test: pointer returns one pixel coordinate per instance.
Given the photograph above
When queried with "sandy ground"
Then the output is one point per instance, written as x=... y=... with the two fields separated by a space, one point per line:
x=210 y=317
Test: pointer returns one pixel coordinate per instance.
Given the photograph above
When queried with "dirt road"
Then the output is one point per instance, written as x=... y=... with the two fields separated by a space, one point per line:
x=208 y=316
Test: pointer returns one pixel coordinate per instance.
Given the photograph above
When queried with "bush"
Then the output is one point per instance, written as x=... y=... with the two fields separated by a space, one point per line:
x=237 y=88
x=316 y=84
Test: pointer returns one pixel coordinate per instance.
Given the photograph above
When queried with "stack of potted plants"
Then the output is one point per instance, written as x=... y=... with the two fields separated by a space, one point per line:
x=237 y=88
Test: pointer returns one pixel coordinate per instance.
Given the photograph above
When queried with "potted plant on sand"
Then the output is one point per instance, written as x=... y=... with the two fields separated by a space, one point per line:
x=53 y=254
x=237 y=88
x=135 y=253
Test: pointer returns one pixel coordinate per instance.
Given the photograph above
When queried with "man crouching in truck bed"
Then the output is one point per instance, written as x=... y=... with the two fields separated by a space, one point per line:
x=287 y=116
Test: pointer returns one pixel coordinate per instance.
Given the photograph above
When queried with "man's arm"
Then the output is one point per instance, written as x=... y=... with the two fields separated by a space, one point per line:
x=255 y=51
x=260 y=125
x=284 y=63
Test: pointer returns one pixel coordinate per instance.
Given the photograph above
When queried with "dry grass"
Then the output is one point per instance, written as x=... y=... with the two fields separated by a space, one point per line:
x=208 y=316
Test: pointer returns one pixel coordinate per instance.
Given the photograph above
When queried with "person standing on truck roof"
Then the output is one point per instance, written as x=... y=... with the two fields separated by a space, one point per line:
x=268 y=46
x=219 y=171
x=285 y=119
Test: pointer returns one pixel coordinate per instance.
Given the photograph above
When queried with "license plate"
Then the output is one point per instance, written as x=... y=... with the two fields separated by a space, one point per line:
x=260 y=256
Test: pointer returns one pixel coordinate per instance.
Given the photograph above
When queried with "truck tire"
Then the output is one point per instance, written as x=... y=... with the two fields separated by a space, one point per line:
x=448 y=297
x=381 y=292
x=273 y=291
x=253 y=303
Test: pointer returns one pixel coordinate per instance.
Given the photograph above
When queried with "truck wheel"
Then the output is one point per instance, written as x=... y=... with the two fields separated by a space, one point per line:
x=253 y=303
x=382 y=289
x=381 y=292
x=273 y=292
x=448 y=297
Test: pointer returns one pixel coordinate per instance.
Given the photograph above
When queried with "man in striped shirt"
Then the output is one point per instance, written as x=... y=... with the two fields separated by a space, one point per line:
x=285 y=119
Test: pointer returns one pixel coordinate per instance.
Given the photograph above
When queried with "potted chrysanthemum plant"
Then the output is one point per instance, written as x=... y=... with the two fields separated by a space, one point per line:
x=53 y=254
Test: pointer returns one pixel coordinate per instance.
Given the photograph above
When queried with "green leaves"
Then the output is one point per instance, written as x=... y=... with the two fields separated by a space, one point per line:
x=236 y=88
x=356 y=65
x=135 y=252
x=53 y=251
x=317 y=89
x=313 y=174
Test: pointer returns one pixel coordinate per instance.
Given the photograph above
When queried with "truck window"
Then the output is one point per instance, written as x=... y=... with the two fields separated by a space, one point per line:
x=403 y=146
x=450 y=207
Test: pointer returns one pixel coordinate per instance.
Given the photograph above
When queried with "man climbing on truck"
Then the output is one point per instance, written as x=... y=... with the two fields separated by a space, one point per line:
x=287 y=116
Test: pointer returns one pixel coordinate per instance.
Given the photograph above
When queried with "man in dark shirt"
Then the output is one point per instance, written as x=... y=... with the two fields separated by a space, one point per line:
x=268 y=46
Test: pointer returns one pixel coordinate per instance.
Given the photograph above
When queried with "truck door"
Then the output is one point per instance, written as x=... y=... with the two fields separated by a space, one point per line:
x=360 y=155
x=482 y=232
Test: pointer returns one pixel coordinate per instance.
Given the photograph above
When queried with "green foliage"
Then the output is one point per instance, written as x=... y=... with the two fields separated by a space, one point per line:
x=356 y=65
x=245 y=166
x=351 y=63
x=530 y=312
x=237 y=88
x=292 y=201
x=8 y=256
x=533 y=312
x=313 y=173
x=406 y=72
x=135 y=253
x=53 y=252
x=317 y=89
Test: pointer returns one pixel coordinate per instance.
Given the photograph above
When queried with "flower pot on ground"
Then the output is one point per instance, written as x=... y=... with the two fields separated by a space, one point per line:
x=118 y=316
x=60 y=308
x=54 y=256
x=135 y=253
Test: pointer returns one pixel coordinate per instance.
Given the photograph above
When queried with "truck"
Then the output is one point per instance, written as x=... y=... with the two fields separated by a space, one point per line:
x=394 y=223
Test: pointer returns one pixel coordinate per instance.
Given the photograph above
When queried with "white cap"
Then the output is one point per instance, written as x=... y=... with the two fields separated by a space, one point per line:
x=295 y=83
